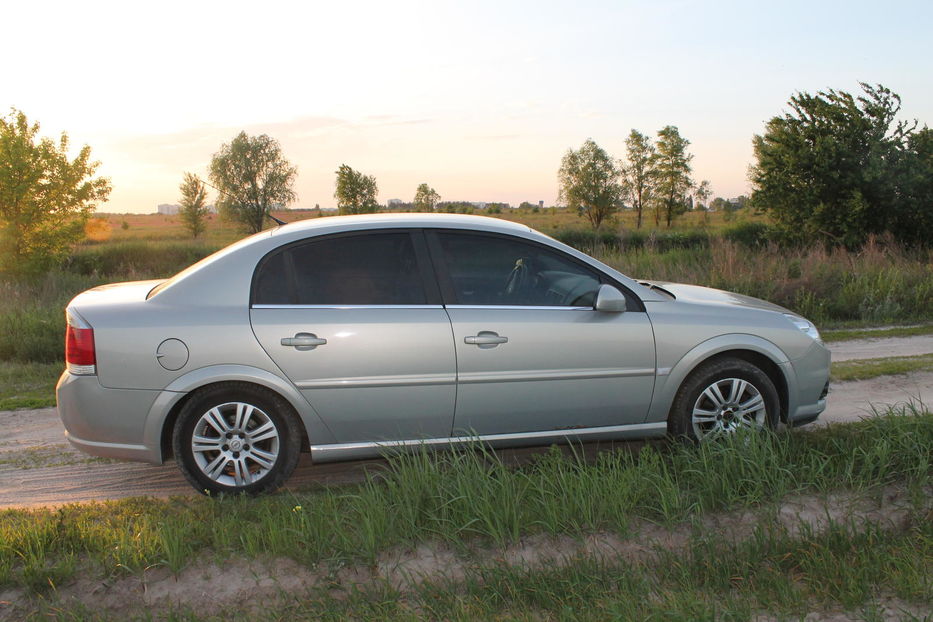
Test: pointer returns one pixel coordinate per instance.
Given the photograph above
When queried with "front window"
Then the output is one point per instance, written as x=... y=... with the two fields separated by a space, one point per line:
x=491 y=270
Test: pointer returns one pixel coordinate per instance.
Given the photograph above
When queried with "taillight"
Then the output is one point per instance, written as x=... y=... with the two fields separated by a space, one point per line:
x=80 y=358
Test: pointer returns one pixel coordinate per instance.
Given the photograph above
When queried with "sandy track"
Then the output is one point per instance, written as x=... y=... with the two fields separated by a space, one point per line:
x=881 y=347
x=39 y=468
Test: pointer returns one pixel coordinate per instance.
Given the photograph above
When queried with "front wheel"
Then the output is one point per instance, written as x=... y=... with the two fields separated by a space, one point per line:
x=723 y=397
x=236 y=438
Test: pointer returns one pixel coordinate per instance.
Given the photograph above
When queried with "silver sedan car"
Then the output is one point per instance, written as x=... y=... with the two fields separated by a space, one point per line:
x=346 y=336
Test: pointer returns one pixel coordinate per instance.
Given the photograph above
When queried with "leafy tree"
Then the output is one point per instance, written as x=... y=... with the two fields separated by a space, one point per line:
x=45 y=197
x=673 y=174
x=702 y=193
x=589 y=182
x=356 y=192
x=838 y=167
x=426 y=198
x=252 y=176
x=912 y=222
x=193 y=204
x=639 y=173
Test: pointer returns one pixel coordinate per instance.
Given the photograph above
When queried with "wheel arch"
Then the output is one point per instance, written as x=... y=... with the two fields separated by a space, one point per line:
x=164 y=411
x=759 y=352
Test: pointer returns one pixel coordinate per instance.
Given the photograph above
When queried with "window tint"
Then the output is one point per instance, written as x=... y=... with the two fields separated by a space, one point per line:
x=272 y=282
x=486 y=270
x=371 y=269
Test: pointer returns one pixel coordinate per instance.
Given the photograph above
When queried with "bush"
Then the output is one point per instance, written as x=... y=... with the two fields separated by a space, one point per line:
x=749 y=234
x=137 y=259
x=608 y=241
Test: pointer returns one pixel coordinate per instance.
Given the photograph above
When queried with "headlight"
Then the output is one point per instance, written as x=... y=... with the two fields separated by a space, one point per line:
x=804 y=325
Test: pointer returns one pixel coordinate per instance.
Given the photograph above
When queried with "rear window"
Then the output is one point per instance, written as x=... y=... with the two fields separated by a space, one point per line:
x=370 y=269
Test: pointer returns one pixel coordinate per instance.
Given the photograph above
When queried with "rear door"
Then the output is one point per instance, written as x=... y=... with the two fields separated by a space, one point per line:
x=355 y=322
x=532 y=353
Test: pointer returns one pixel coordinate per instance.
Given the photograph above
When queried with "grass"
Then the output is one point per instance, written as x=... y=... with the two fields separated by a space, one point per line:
x=847 y=334
x=28 y=385
x=872 y=368
x=774 y=574
x=462 y=500
x=882 y=284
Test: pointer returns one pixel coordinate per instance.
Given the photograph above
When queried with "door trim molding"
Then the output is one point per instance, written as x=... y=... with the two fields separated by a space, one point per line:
x=369 y=449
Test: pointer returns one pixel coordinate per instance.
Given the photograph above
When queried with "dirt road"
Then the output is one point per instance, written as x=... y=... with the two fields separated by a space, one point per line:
x=39 y=468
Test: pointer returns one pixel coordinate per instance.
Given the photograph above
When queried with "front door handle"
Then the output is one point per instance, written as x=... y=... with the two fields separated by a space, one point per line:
x=303 y=341
x=485 y=339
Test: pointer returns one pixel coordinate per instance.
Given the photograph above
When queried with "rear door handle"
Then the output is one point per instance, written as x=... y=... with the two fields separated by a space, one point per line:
x=485 y=339
x=303 y=341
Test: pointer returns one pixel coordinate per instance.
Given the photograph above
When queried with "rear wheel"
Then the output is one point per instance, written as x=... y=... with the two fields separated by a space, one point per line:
x=236 y=438
x=723 y=397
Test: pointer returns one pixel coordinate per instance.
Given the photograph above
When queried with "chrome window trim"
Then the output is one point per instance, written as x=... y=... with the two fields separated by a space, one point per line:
x=522 y=307
x=337 y=306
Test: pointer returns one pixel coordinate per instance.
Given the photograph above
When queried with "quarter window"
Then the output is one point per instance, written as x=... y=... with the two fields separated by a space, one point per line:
x=488 y=270
x=371 y=269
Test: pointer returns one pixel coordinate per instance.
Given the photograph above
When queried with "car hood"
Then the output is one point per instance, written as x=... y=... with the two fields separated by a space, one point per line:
x=709 y=296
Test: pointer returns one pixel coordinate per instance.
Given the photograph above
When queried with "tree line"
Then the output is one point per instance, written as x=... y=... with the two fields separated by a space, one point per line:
x=656 y=175
x=835 y=168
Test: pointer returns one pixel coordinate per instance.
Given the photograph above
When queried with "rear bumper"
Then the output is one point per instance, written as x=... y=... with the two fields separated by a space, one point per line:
x=105 y=422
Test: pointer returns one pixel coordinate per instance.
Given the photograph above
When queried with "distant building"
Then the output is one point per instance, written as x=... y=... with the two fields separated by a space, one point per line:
x=394 y=203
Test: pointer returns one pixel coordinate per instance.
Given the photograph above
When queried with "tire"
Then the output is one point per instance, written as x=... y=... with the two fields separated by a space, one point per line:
x=249 y=439
x=721 y=397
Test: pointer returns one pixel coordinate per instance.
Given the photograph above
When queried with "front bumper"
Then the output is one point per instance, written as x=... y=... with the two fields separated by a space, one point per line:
x=105 y=422
x=812 y=373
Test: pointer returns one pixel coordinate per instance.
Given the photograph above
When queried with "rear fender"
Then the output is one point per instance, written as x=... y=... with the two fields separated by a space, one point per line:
x=183 y=385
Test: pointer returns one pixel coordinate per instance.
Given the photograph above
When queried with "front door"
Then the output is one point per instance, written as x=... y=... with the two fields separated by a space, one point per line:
x=532 y=353
x=349 y=320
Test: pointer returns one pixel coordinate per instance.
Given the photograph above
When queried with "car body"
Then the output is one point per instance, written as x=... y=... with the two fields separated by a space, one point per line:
x=346 y=335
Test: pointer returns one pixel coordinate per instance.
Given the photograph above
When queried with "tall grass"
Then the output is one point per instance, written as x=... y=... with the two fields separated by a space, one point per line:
x=883 y=283
x=32 y=321
x=466 y=497
x=137 y=259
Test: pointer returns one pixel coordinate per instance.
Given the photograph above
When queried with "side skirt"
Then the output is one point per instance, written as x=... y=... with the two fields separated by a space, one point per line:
x=354 y=451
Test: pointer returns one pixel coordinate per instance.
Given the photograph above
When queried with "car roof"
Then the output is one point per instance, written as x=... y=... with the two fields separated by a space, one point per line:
x=359 y=221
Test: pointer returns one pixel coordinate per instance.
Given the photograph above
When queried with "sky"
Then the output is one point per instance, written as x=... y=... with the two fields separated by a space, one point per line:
x=479 y=99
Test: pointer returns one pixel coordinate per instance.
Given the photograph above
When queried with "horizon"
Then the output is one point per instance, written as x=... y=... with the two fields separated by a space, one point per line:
x=480 y=103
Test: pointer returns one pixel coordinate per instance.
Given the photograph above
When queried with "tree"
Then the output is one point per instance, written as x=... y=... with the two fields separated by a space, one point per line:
x=702 y=193
x=589 y=182
x=838 y=167
x=193 y=204
x=426 y=198
x=252 y=176
x=639 y=174
x=45 y=197
x=673 y=174
x=356 y=192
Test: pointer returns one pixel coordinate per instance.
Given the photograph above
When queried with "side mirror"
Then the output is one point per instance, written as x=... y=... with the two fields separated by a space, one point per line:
x=609 y=300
